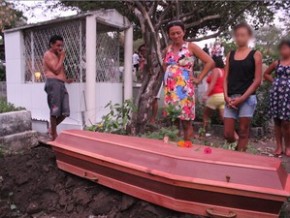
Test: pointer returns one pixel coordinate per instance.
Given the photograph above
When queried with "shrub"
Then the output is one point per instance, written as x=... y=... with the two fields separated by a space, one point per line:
x=8 y=107
x=171 y=132
x=117 y=120
x=261 y=117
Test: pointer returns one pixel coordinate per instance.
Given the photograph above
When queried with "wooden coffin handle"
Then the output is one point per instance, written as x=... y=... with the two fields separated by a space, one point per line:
x=214 y=214
x=94 y=179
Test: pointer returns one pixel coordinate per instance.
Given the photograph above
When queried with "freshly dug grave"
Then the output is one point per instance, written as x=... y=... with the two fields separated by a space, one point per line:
x=31 y=185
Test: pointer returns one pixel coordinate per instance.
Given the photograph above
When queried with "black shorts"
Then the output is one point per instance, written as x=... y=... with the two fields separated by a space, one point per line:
x=57 y=98
x=136 y=66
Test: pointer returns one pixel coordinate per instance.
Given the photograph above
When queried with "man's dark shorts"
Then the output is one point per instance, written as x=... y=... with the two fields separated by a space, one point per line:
x=57 y=98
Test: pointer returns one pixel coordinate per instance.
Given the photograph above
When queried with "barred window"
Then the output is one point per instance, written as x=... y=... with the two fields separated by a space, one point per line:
x=36 y=41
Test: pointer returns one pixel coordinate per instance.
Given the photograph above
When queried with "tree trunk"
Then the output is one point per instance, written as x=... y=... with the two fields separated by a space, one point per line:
x=152 y=80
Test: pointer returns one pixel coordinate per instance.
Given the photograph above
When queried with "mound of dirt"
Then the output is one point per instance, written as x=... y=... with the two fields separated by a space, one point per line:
x=31 y=185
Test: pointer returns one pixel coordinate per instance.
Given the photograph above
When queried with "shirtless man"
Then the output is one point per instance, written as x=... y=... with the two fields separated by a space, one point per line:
x=57 y=95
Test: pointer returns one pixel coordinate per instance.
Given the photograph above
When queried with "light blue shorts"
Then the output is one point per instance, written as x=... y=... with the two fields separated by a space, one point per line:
x=246 y=109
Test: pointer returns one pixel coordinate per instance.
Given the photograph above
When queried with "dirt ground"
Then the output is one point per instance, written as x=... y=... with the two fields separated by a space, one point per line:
x=31 y=186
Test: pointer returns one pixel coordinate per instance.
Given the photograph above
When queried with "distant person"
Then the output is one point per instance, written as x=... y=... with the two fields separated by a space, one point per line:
x=142 y=60
x=222 y=51
x=206 y=49
x=243 y=74
x=216 y=50
x=57 y=95
x=136 y=60
x=154 y=111
x=280 y=97
x=178 y=79
x=214 y=96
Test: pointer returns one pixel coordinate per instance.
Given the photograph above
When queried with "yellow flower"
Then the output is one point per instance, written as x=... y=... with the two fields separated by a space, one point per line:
x=180 y=82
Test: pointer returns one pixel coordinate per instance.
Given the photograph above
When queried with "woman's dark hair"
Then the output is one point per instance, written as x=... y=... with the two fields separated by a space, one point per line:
x=244 y=25
x=219 y=63
x=284 y=42
x=55 y=38
x=175 y=23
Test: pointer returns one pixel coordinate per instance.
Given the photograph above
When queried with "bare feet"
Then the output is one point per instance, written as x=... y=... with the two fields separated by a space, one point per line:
x=236 y=136
x=278 y=151
x=287 y=152
x=51 y=135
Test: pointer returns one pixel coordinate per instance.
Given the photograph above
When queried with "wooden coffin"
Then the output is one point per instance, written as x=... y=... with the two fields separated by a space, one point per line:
x=219 y=183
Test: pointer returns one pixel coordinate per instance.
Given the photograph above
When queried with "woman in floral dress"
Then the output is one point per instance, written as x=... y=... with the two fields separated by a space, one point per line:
x=179 y=80
x=280 y=97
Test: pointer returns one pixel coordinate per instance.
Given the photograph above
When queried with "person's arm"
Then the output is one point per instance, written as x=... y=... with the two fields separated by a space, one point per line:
x=52 y=65
x=214 y=76
x=205 y=58
x=256 y=83
x=227 y=99
x=268 y=73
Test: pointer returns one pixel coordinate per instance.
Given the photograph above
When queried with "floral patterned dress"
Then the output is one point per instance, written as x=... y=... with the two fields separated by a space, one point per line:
x=178 y=89
x=280 y=94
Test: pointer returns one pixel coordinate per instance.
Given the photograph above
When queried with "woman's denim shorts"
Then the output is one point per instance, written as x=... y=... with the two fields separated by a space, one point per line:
x=246 y=109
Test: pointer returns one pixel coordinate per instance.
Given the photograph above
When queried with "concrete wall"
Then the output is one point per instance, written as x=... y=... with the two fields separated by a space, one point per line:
x=33 y=97
x=15 y=131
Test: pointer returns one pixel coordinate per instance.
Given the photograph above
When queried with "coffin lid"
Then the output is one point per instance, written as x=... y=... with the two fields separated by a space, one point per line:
x=219 y=168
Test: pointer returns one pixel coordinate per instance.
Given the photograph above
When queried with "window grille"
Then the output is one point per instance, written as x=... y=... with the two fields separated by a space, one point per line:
x=107 y=58
x=36 y=43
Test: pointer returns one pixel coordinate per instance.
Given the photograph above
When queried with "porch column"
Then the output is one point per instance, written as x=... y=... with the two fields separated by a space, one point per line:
x=90 y=87
x=128 y=73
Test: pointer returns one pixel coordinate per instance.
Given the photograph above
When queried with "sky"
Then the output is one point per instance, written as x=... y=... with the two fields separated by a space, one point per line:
x=39 y=15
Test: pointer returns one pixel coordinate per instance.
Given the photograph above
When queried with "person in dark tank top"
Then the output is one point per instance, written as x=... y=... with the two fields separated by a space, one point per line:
x=243 y=75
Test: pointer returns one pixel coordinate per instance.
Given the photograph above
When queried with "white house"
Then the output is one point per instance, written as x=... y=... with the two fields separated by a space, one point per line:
x=92 y=60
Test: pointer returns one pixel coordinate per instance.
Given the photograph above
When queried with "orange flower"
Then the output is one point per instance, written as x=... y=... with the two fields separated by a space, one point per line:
x=180 y=143
x=184 y=144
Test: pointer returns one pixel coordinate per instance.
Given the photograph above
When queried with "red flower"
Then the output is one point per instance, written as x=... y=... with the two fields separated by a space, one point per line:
x=184 y=144
x=188 y=144
x=207 y=150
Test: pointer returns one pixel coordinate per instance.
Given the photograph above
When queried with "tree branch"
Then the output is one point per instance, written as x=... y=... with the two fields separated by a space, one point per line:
x=152 y=29
x=177 y=5
x=163 y=15
x=222 y=28
x=152 y=10
x=205 y=37
x=204 y=19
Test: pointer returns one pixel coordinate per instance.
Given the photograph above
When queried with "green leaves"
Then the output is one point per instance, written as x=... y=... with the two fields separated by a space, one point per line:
x=173 y=112
x=8 y=107
x=117 y=120
x=171 y=132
